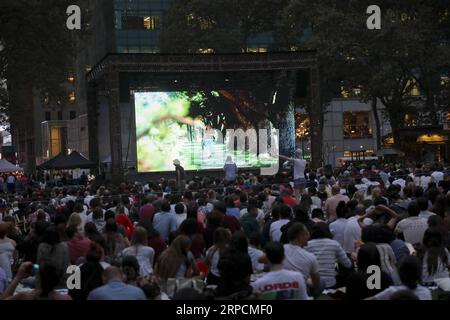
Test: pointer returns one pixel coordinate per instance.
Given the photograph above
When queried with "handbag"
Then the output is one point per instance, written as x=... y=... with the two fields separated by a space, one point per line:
x=174 y=285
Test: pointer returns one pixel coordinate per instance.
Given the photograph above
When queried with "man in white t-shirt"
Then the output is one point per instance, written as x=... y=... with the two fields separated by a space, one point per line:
x=437 y=175
x=299 y=172
x=298 y=259
x=352 y=233
x=279 y=283
x=412 y=227
x=424 y=212
x=275 y=227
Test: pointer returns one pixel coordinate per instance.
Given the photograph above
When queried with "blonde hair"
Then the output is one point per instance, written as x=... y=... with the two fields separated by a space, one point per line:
x=74 y=219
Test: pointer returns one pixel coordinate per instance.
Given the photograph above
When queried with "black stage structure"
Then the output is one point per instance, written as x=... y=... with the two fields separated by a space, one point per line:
x=293 y=75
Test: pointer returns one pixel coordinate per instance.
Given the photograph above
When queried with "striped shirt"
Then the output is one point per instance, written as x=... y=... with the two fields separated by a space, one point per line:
x=328 y=252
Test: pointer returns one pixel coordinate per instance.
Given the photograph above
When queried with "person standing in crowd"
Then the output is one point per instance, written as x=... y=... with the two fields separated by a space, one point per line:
x=180 y=175
x=11 y=183
x=299 y=173
x=231 y=170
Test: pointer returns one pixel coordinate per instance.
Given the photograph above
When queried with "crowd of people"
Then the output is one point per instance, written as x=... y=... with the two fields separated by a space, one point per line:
x=312 y=234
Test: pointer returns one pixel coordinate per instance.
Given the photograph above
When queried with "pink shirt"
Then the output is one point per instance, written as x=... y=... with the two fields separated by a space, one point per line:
x=331 y=205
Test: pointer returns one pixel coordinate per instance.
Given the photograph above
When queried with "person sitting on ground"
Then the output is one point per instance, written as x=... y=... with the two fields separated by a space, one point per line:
x=47 y=281
x=332 y=203
x=254 y=252
x=77 y=243
x=413 y=227
x=139 y=249
x=222 y=238
x=114 y=288
x=285 y=213
x=337 y=227
x=434 y=256
x=235 y=269
x=328 y=252
x=279 y=283
x=177 y=261
x=91 y=273
x=356 y=283
x=298 y=259
x=410 y=271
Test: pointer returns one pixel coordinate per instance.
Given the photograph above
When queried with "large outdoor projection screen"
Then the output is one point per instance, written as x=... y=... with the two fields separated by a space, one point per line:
x=185 y=126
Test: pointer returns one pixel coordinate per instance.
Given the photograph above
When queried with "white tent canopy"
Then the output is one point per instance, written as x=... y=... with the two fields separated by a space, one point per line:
x=6 y=166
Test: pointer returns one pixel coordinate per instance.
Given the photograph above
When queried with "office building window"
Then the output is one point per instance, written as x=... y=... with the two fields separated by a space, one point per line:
x=357 y=125
x=256 y=49
x=60 y=115
x=73 y=115
x=71 y=77
x=141 y=23
x=151 y=22
x=72 y=97
x=48 y=116
x=208 y=50
x=55 y=141
x=410 y=120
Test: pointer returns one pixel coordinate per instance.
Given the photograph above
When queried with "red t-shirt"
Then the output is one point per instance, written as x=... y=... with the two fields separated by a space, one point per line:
x=288 y=200
x=78 y=247
x=126 y=223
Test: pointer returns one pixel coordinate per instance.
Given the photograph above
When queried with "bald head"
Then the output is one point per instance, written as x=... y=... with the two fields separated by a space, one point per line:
x=112 y=273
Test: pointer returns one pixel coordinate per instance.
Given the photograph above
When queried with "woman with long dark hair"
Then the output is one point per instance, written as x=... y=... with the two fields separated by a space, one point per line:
x=434 y=256
x=235 y=268
x=222 y=237
x=51 y=249
x=115 y=243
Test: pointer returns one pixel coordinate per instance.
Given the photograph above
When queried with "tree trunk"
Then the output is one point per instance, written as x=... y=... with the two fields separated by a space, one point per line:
x=286 y=125
x=316 y=119
x=376 y=118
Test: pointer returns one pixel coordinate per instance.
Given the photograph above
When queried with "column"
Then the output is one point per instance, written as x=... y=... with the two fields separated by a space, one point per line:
x=115 y=130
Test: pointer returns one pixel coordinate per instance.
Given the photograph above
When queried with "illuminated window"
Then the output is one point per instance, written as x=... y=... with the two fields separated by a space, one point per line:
x=344 y=93
x=410 y=120
x=72 y=97
x=357 y=125
x=256 y=49
x=302 y=125
x=445 y=80
x=46 y=100
x=208 y=50
x=151 y=22
x=71 y=77
x=55 y=141
x=359 y=155
x=414 y=88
